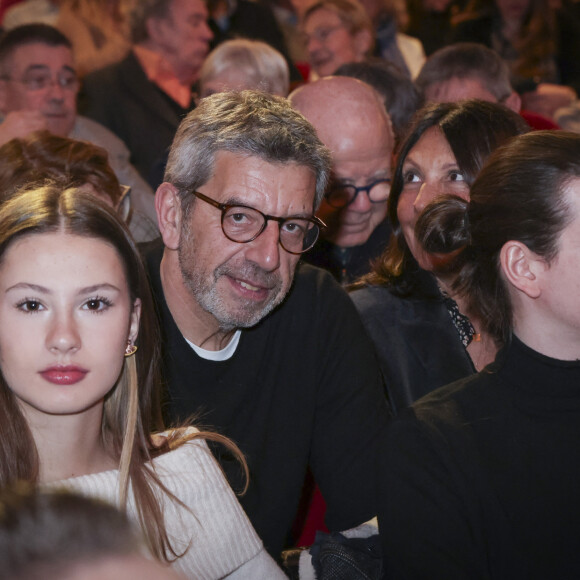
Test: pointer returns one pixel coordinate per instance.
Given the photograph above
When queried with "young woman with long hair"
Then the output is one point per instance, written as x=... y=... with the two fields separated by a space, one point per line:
x=78 y=387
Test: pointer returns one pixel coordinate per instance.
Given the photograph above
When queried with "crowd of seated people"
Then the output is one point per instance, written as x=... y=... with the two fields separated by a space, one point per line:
x=223 y=280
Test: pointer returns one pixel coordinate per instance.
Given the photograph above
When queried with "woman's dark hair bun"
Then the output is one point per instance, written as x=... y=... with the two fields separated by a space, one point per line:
x=443 y=226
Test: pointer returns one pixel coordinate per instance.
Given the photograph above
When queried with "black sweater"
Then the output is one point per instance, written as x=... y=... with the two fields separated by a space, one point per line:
x=302 y=387
x=481 y=480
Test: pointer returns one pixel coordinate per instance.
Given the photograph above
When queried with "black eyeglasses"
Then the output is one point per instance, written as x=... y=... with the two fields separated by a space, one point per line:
x=243 y=224
x=341 y=195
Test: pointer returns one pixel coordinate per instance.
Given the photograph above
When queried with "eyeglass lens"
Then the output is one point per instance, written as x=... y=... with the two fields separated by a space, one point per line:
x=341 y=195
x=243 y=224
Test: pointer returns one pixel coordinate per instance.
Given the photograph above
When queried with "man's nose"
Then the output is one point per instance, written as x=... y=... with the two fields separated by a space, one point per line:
x=265 y=249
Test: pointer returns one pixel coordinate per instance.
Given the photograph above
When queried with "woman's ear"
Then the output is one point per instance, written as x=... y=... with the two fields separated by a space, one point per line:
x=134 y=321
x=522 y=268
x=168 y=207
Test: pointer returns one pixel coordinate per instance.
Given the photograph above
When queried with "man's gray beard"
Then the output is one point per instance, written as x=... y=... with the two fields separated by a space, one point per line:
x=208 y=297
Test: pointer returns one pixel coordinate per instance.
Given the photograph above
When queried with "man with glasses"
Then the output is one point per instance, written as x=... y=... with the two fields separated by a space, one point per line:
x=38 y=91
x=265 y=350
x=352 y=122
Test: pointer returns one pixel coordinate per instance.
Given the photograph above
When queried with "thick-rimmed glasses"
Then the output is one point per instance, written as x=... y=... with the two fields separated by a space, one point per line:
x=340 y=194
x=243 y=224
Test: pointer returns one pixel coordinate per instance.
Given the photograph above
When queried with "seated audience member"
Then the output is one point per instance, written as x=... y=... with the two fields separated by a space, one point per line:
x=268 y=351
x=74 y=291
x=244 y=64
x=336 y=32
x=479 y=480
x=58 y=535
x=251 y=20
x=398 y=92
x=96 y=30
x=143 y=98
x=31 y=12
x=389 y=17
x=540 y=48
x=42 y=156
x=38 y=90
x=355 y=205
x=425 y=334
x=468 y=70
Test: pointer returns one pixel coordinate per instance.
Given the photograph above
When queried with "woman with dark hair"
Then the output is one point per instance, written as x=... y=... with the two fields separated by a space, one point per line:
x=424 y=335
x=480 y=479
x=78 y=399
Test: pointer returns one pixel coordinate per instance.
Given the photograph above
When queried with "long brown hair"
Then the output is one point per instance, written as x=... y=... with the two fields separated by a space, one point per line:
x=473 y=130
x=132 y=408
x=519 y=195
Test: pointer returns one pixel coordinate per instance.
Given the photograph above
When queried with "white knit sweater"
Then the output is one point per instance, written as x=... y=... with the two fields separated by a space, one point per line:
x=222 y=542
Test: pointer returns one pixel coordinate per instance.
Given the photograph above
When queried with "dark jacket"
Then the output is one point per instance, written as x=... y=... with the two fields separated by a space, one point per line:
x=122 y=98
x=418 y=347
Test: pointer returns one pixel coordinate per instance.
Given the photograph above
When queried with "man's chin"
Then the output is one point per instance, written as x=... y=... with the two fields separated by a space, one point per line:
x=354 y=235
x=60 y=127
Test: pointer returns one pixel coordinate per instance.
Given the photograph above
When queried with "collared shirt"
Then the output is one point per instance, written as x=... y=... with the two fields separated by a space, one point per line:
x=159 y=72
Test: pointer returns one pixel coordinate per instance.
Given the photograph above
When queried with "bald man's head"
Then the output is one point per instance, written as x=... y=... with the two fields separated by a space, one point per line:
x=352 y=122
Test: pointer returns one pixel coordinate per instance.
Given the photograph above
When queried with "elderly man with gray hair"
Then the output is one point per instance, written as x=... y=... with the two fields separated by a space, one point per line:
x=267 y=351
x=143 y=98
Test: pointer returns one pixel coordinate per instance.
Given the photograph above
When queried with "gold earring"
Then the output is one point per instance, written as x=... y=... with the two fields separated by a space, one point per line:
x=131 y=349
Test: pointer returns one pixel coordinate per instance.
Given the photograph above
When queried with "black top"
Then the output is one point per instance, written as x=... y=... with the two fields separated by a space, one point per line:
x=302 y=387
x=122 y=98
x=418 y=346
x=480 y=480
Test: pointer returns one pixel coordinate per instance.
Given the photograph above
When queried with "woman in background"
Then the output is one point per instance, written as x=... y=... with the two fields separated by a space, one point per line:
x=424 y=334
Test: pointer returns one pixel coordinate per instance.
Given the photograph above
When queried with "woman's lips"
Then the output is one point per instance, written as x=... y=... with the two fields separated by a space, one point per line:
x=64 y=375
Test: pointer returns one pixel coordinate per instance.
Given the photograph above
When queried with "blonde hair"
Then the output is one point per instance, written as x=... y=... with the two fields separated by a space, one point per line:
x=263 y=66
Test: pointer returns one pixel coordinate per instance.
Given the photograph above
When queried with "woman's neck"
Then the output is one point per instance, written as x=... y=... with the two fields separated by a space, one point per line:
x=482 y=348
x=69 y=445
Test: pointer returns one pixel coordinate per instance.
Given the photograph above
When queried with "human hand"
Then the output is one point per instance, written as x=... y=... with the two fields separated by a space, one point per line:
x=21 y=124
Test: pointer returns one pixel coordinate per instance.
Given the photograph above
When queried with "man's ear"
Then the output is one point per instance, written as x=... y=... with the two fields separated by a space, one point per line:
x=523 y=268
x=362 y=41
x=168 y=207
x=513 y=102
x=156 y=29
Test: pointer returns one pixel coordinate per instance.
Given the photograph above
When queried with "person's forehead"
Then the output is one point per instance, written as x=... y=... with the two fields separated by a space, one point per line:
x=261 y=182
x=322 y=18
x=457 y=89
x=369 y=144
x=39 y=54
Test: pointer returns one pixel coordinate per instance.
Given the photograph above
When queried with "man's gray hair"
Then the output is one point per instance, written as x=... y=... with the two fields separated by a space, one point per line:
x=137 y=12
x=467 y=60
x=248 y=123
